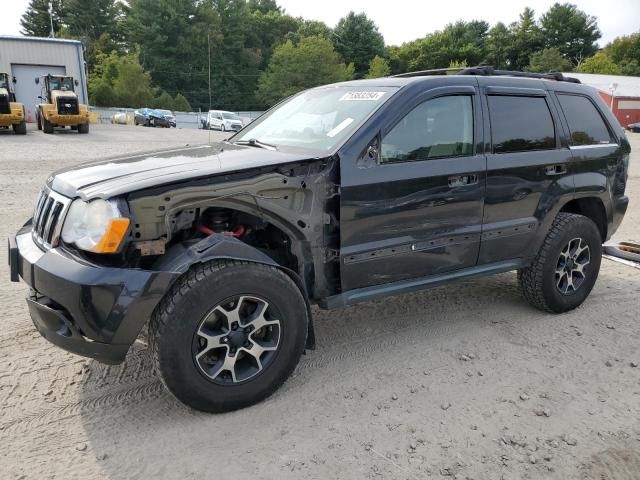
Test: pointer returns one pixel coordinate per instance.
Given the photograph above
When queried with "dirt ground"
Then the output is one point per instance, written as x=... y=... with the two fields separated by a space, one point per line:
x=465 y=381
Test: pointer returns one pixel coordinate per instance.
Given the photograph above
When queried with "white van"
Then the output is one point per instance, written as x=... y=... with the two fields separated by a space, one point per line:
x=224 y=121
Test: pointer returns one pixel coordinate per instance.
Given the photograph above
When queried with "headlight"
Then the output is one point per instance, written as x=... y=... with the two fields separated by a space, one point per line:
x=95 y=226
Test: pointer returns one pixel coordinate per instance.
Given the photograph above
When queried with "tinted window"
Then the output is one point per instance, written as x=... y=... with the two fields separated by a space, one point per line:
x=442 y=127
x=519 y=124
x=585 y=123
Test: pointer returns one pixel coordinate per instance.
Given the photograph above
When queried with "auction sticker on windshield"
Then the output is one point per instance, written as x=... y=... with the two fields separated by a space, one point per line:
x=362 y=96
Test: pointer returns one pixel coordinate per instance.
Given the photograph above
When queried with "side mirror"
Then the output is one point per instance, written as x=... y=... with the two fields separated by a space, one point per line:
x=37 y=80
x=15 y=80
x=76 y=83
x=40 y=97
x=371 y=155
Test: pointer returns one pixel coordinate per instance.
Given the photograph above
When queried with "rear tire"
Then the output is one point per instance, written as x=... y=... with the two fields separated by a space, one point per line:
x=39 y=121
x=204 y=360
x=20 y=128
x=83 y=128
x=566 y=268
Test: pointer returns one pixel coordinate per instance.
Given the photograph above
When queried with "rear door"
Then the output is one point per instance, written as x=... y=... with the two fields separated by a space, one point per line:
x=528 y=167
x=417 y=211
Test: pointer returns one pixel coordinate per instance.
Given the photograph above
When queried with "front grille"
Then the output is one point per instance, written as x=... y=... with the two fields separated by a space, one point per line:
x=68 y=106
x=48 y=216
x=4 y=104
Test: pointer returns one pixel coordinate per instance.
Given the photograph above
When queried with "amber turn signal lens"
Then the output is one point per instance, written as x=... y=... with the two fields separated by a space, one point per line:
x=113 y=237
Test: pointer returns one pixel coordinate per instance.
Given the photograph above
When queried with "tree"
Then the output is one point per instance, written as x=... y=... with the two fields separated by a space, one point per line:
x=625 y=52
x=119 y=80
x=181 y=104
x=378 y=67
x=309 y=28
x=358 y=40
x=599 y=63
x=549 y=60
x=164 y=101
x=526 y=39
x=571 y=31
x=497 y=46
x=95 y=23
x=35 y=21
x=295 y=67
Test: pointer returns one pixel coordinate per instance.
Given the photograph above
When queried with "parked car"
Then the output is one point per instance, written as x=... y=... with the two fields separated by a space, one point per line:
x=389 y=186
x=634 y=127
x=150 y=117
x=224 y=121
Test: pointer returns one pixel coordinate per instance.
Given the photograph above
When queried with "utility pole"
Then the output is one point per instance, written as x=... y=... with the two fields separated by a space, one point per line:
x=209 y=49
x=52 y=34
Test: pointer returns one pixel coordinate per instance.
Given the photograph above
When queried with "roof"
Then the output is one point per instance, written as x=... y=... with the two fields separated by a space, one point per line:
x=626 y=86
x=39 y=39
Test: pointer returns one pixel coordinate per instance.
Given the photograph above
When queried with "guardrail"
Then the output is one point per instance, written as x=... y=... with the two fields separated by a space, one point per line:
x=183 y=119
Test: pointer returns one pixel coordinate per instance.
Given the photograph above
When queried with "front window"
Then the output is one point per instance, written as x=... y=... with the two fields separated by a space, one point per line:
x=61 y=83
x=317 y=120
x=4 y=83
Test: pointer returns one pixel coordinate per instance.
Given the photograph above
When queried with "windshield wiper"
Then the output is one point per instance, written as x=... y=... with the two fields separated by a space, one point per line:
x=252 y=142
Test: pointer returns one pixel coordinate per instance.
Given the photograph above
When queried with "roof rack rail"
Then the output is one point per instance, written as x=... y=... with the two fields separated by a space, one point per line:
x=486 y=70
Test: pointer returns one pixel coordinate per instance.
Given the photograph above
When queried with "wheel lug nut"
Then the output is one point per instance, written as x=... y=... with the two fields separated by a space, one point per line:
x=225 y=339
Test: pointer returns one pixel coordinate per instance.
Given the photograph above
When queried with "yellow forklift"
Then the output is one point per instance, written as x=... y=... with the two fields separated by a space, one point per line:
x=11 y=112
x=60 y=107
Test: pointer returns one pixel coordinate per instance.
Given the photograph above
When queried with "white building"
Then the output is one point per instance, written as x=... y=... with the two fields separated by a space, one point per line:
x=25 y=58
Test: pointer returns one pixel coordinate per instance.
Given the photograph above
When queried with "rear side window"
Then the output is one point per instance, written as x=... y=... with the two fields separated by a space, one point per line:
x=438 y=128
x=520 y=124
x=585 y=122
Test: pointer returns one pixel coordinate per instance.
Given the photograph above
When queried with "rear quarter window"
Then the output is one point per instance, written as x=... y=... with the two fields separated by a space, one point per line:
x=520 y=124
x=585 y=121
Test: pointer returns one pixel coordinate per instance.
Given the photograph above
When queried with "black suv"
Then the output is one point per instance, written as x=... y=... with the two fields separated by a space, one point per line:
x=340 y=194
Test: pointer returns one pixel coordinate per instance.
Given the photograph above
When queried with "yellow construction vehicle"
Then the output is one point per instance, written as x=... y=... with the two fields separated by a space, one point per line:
x=60 y=107
x=11 y=112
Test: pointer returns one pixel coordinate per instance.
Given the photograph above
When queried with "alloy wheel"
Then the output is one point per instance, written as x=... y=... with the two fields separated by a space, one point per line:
x=237 y=339
x=570 y=270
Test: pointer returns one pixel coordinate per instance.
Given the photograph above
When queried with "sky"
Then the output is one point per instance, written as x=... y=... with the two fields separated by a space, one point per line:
x=404 y=20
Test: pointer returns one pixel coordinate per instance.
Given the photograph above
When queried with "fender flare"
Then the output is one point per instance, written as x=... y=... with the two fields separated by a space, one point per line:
x=181 y=257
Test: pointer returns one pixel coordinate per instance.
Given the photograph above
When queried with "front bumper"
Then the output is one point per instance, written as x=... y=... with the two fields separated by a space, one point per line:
x=68 y=120
x=8 y=119
x=87 y=309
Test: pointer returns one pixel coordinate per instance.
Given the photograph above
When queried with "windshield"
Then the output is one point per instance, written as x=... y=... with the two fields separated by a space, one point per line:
x=230 y=116
x=319 y=119
x=61 y=83
x=166 y=112
x=4 y=82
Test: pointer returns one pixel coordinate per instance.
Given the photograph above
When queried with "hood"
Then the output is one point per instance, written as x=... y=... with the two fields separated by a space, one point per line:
x=55 y=94
x=118 y=176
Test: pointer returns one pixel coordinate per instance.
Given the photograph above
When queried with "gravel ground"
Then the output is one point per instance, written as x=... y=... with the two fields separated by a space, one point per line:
x=464 y=381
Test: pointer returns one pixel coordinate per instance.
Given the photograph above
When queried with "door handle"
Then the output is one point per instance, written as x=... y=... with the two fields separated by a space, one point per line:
x=462 y=180
x=555 y=170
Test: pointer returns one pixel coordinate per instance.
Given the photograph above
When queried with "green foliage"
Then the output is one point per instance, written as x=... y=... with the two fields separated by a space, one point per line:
x=599 y=63
x=378 y=67
x=456 y=65
x=309 y=28
x=625 y=52
x=498 y=46
x=526 y=38
x=549 y=60
x=181 y=104
x=35 y=21
x=458 y=42
x=571 y=31
x=95 y=23
x=120 y=80
x=164 y=101
x=295 y=67
x=358 y=40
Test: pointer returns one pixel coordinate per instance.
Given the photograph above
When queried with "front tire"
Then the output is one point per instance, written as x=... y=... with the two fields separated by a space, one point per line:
x=47 y=127
x=222 y=128
x=20 y=128
x=83 y=128
x=228 y=334
x=566 y=268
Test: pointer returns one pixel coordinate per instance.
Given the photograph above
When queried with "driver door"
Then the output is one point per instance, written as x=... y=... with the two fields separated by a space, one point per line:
x=418 y=210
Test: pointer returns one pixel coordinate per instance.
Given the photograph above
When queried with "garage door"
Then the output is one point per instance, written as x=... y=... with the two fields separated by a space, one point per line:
x=27 y=91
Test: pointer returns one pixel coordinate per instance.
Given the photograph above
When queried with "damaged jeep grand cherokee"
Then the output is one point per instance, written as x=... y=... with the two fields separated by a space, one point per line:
x=340 y=194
